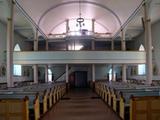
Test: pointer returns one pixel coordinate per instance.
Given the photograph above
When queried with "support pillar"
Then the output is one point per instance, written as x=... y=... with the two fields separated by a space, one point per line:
x=113 y=77
x=123 y=40
x=67 y=31
x=10 y=39
x=35 y=67
x=93 y=25
x=112 y=48
x=93 y=72
x=47 y=45
x=148 y=43
x=123 y=46
x=93 y=45
x=93 y=77
x=112 y=45
x=46 y=66
x=46 y=73
x=67 y=78
x=124 y=75
x=66 y=45
x=35 y=71
x=67 y=26
x=93 y=65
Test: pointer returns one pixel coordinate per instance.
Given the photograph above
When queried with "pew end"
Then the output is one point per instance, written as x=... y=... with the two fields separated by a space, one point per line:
x=145 y=108
x=8 y=111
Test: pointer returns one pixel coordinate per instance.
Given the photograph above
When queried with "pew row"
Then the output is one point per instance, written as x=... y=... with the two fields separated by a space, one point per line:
x=126 y=97
x=20 y=104
x=48 y=95
x=118 y=96
x=145 y=108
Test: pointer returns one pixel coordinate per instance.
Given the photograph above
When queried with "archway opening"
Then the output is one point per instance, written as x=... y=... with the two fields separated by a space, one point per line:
x=141 y=67
x=17 y=69
x=49 y=75
x=110 y=75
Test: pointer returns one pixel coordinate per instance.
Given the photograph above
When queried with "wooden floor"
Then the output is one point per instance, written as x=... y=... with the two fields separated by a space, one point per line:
x=80 y=104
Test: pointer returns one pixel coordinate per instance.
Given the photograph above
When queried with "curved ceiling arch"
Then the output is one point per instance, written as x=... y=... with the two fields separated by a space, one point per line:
x=85 y=2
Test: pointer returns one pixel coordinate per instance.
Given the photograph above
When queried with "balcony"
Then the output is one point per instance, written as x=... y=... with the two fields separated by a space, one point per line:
x=79 y=57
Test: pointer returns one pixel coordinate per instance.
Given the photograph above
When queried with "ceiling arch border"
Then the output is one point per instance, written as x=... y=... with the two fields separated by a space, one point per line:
x=75 y=2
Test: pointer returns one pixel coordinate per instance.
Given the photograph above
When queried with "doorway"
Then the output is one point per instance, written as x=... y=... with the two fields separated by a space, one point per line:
x=78 y=79
x=81 y=79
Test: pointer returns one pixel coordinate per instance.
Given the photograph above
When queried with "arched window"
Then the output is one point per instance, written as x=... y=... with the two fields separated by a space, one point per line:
x=141 y=67
x=49 y=75
x=17 y=69
x=110 y=75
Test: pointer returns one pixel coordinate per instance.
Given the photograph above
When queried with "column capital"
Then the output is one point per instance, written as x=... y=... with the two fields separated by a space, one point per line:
x=148 y=20
x=93 y=20
x=9 y=19
x=13 y=2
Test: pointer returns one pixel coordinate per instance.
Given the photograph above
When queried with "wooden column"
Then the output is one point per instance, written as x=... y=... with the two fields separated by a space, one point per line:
x=67 y=77
x=35 y=67
x=67 y=26
x=93 y=25
x=93 y=68
x=46 y=73
x=10 y=40
x=46 y=66
x=112 y=48
x=123 y=46
x=148 y=43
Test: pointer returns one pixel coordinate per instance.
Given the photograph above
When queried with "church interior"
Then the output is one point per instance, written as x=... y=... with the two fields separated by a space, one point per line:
x=79 y=60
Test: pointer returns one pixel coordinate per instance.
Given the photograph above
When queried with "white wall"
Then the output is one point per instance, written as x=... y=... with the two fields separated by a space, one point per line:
x=3 y=31
x=17 y=39
x=101 y=71
x=58 y=71
x=155 y=42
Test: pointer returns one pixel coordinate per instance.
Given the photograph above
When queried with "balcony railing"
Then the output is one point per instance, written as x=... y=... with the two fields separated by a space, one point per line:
x=79 y=57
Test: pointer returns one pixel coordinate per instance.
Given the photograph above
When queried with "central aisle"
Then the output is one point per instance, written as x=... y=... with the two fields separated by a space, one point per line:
x=80 y=104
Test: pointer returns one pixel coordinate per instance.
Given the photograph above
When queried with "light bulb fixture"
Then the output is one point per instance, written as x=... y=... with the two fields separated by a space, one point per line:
x=80 y=20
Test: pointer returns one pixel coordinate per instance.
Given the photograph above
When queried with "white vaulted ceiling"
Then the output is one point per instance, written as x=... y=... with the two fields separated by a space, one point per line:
x=109 y=14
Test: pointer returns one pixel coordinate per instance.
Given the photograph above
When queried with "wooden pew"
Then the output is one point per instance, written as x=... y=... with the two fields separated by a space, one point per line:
x=145 y=108
x=116 y=94
x=105 y=90
x=8 y=111
x=125 y=101
x=43 y=95
x=124 y=87
x=112 y=96
x=32 y=104
x=49 y=94
x=53 y=92
x=33 y=89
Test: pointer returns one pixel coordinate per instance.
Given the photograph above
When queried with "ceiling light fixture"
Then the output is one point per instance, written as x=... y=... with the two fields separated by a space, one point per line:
x=80 y=20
